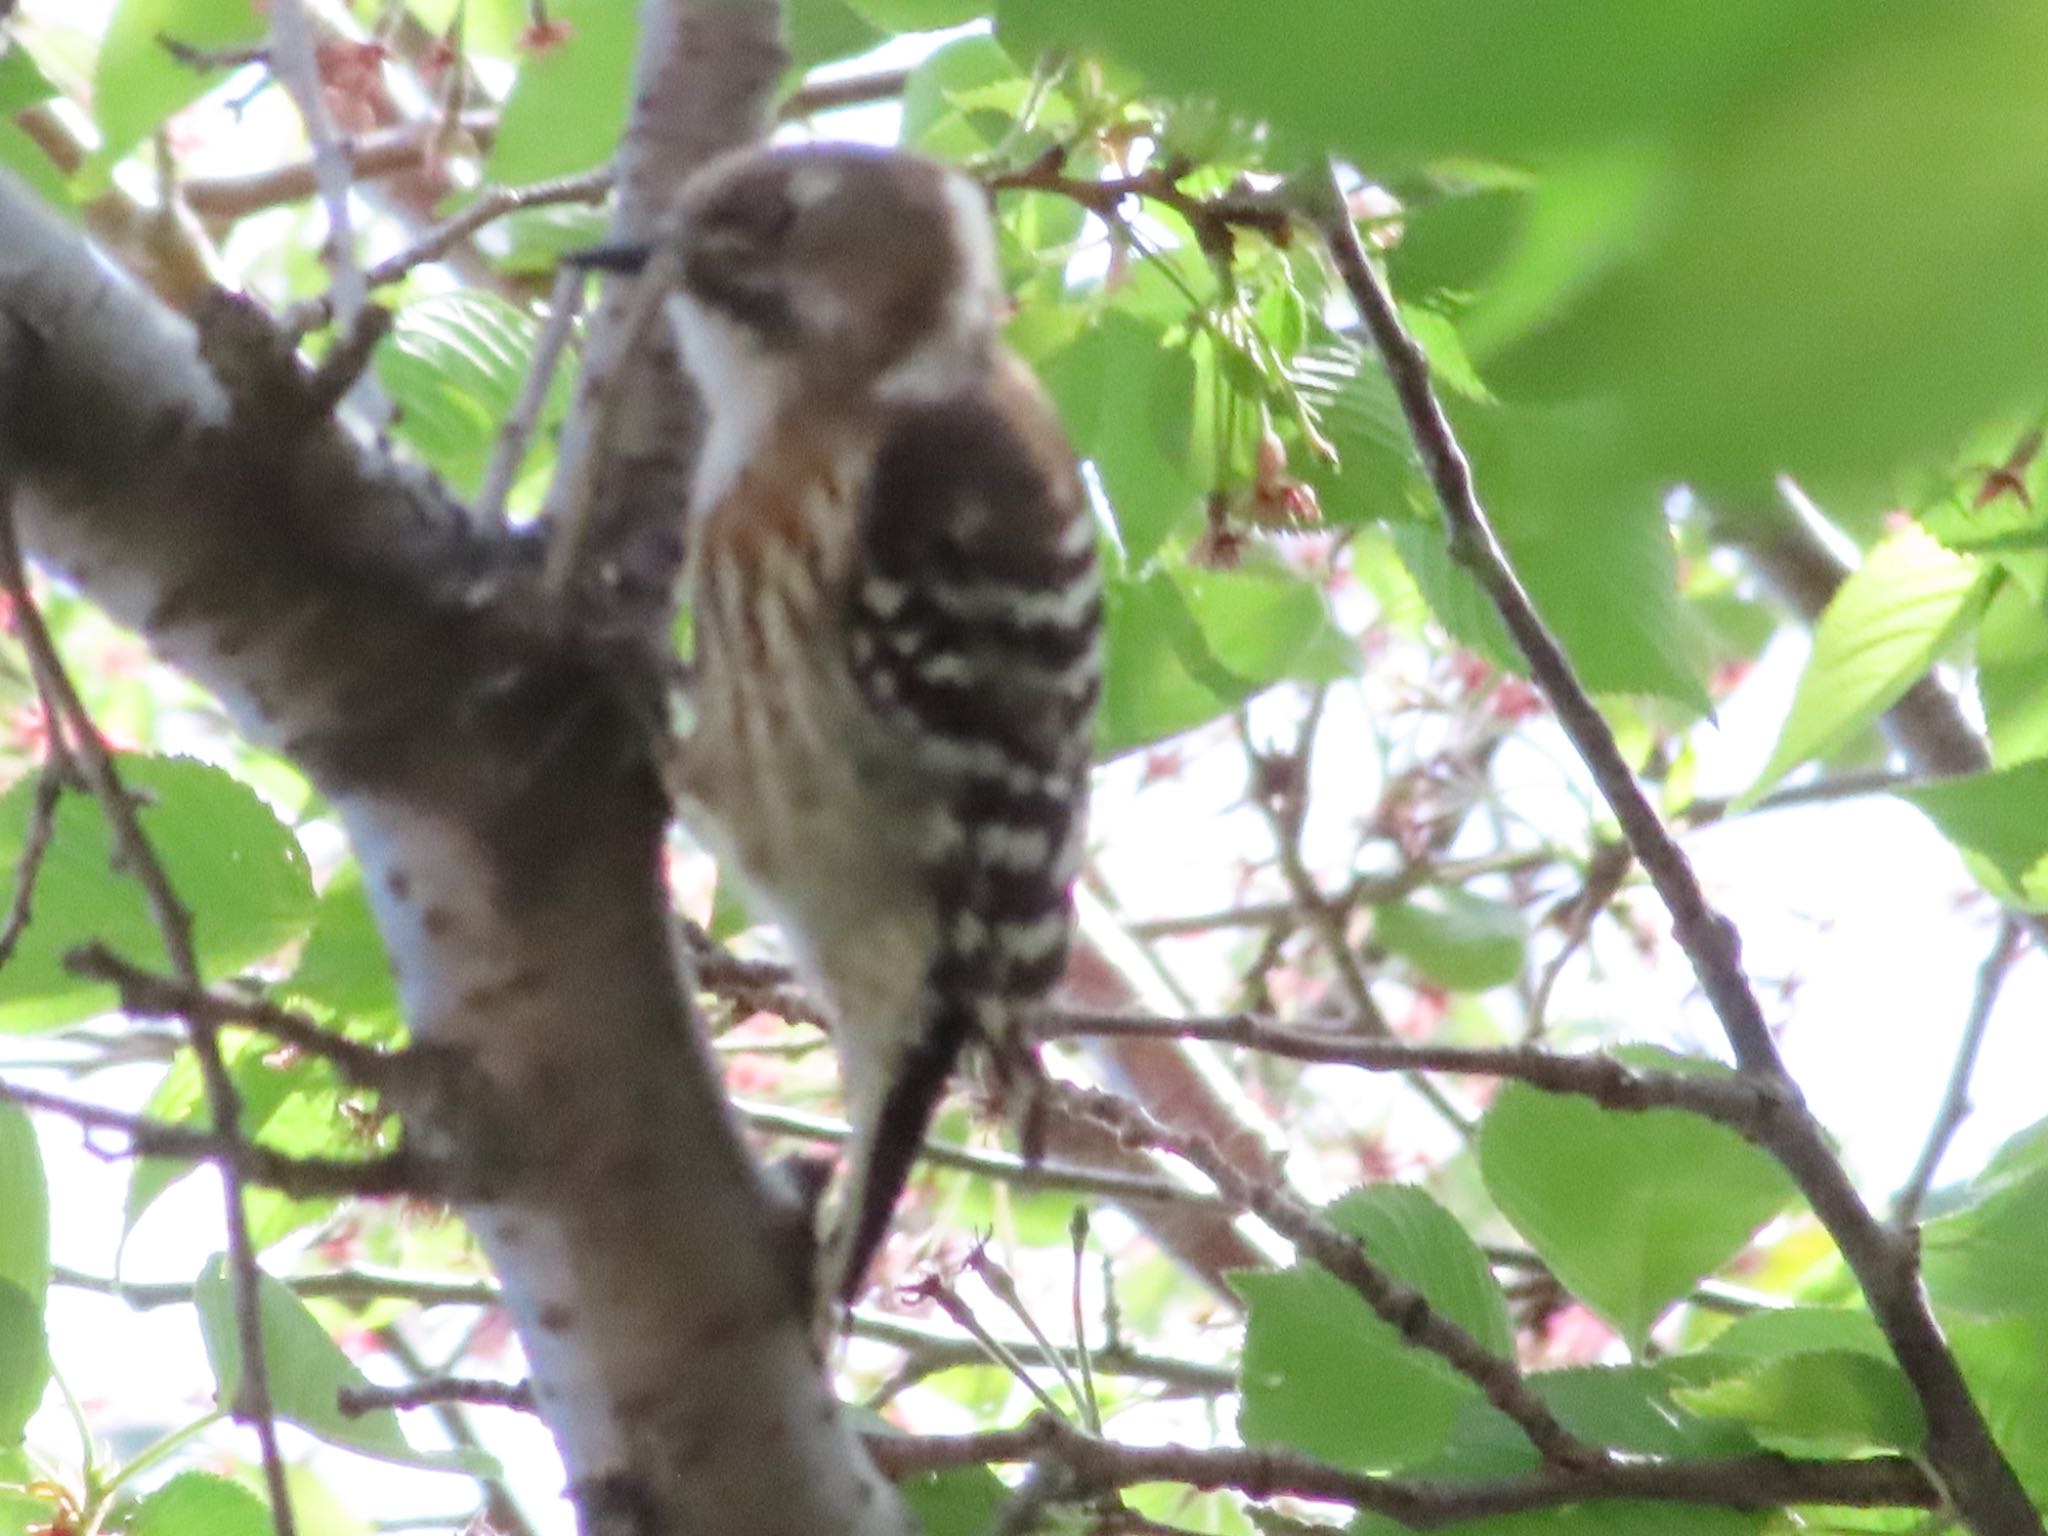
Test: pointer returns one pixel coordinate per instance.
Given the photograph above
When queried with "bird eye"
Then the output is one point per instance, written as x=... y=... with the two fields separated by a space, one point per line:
x=756 y=214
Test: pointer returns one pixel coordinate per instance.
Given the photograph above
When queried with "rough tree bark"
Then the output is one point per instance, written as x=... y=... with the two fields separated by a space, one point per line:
x=494 y=774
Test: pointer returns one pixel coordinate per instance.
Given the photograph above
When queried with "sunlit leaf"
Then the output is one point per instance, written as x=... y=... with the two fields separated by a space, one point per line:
x=239 y=872
x=1996 y=815
x=1880 y=632
x=200 y=1504
x=24 y=1360
x=306 y=1372
x=1629 y=1210
x=569 y=101
x=1463 y=941
x=1324 y=1374
x=1818 y=1403
x=138 y=82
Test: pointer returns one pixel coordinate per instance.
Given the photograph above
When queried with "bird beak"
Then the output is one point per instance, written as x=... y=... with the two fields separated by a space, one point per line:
x=626 y=257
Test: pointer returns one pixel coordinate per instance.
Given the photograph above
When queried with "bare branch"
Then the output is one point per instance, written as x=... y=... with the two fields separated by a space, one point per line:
x=1955 y=1098
x=432 y=1390
x=301 y=1177
x=1987 y=1494
x=1096 y=1466
x=1400 y=1306
x=508 y=453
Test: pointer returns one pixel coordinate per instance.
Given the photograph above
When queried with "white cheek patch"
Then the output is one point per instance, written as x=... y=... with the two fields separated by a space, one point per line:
x=743 y=388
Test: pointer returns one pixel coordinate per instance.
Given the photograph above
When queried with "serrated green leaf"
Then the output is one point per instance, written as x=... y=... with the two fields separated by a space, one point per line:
x=1998 y=815
x=200 y=1504
x=1465 y=942
x=1880 y=632
x=137 y=83
x=1816 y=1403
x=454 y=365
x=24 y=1205
x=1991 y=1257
x=1324 y=1374
x=24 y=1360
x=234 y=866
x=1628 y=1210
x=568 y=105
x=934 y=117
x=307 y=1371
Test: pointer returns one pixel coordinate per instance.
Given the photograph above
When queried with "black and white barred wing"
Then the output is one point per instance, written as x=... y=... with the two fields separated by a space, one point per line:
x=975 y=636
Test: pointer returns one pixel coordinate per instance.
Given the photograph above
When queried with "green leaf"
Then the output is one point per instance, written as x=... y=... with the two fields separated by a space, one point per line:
x=1768 y=1334
x=24 y=1205
x=819 y=31
x=568 y=105
x=895 y=16
x=1629 y=1210
x=24 y=1360
x=137 y=83
x=234 y=866
x=2012 y=674
x=25 y=158
x=200 y=1504
x=1159 y=677
x=1324 y=1374
x=2005 y=1363
x=307 y=1370
x=1127 y=399
x=1998 y=815
x=1465 y=942
x=22 y=81
x=1991 y=1257
x=960 y=1501
x=934 y=117
x=1258 y=620
x=1880 y=632
x=1820 y=1403
x=344 y=965
x=454 y=364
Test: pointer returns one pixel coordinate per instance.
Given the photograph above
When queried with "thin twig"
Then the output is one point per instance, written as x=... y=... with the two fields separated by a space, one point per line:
x=501 y=1513
x=1960 y=1449
x=1728 y=1099
x=347 y=1285
x=1403 y=1308
x=148 y=995
x=508 y=453
x=1759 y=1482
x=941 y=1350
x=1105 y=1182
x=950 y=1302
x=35 y=843
x=357 y=1401
x=244 y=1162
x=136 y=857
x=1004 y=1289
x=295 y=61
x=1363 y=891
x=1955 y=1098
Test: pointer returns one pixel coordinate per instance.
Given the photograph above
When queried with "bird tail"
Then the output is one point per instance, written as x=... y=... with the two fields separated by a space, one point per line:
x=887 y=1143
